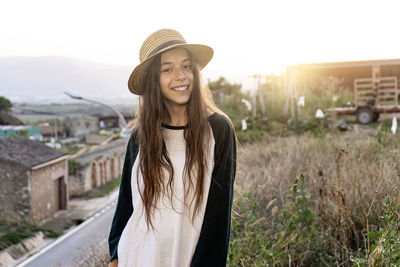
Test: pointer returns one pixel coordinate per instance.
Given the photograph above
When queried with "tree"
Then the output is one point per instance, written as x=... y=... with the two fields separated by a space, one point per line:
x=225 y=86
x=224 y=91
x=228 y=97
x=5 y=105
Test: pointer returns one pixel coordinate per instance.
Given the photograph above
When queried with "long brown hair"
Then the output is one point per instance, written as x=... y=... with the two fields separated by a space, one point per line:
x=153 y=154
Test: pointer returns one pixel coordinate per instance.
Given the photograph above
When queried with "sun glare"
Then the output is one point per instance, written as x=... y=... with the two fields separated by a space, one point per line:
x=250 y=37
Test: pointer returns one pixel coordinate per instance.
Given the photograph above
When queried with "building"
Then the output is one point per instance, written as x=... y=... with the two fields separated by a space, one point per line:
x=33 y=179
x=309 y=75
x=51 y=131
x=112 y=121
x=25 y=130
x=96 y=167
x=80 y=126
x=108 y=121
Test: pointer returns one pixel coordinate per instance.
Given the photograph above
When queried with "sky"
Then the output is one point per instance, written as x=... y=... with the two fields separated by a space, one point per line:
x=248 y=37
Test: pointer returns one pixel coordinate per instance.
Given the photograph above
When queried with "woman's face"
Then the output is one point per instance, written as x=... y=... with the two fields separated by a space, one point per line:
x=176 y=77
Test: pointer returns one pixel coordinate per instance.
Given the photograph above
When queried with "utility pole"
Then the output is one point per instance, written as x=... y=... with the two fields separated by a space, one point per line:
x=292 y=97
x=254 y=105
x=261 y=96
x=259 y=93
x=55 y=129
x=273 y=87
x=286 y=86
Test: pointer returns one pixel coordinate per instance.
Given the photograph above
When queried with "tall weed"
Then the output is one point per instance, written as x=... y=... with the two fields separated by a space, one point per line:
x=294 y=236
x=347 y=183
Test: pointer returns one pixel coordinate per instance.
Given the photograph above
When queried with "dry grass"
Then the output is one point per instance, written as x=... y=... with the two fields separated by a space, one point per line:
x=348 y=175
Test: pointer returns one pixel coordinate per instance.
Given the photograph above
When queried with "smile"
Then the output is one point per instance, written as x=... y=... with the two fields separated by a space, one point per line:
x=182 y=88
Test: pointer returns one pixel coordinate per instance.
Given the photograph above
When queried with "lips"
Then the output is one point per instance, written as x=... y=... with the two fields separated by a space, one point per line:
x=180 y=88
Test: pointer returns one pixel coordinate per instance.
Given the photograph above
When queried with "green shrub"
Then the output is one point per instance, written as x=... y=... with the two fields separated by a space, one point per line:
x=249 y=243
x=70 y=148
x=10 y=238
x=72 y=165
x=15 y=232
x=386 y=250
x=295 y=236
x=104 y=189
x=298 y=230
x=318 y=127
x=251 y=136
x=385 y=140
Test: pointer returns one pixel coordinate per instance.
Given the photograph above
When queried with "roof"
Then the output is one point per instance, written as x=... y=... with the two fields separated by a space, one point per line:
x=6 y=119
x=102 y=150
x=26 y=152
x=14 y=127
x=348 y=64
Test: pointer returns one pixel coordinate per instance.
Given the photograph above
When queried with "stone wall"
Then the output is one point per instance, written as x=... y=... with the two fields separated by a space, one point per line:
x=46 y=183
x=95 y=138
x=97 y=168
x=95 y=174
x=14 y=191
x=76 y=185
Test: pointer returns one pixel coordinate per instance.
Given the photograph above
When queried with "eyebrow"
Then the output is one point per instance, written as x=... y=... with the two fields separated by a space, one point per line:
x=168 y=63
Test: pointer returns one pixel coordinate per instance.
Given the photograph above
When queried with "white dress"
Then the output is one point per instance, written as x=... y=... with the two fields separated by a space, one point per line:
x=174 y=238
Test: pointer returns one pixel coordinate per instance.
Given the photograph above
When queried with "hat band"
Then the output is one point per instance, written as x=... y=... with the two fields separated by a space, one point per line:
x=164 y=45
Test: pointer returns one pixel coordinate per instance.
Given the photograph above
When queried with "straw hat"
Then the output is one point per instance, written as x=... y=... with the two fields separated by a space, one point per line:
x=161 y=41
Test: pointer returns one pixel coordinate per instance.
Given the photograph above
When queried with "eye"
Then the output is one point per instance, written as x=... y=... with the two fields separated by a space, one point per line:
x=188 y=67
x=166 y=70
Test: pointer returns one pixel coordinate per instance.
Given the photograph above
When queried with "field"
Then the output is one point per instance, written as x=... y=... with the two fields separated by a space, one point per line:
x=318 y=201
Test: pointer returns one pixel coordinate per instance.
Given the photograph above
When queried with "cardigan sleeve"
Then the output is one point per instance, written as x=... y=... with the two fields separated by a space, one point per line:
x=124 y=207
x=213 y=244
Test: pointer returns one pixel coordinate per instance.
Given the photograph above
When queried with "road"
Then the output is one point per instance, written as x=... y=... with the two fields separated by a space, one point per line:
x=79 y=246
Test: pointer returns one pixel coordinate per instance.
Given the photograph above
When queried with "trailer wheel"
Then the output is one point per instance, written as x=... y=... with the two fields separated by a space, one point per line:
x=365 y=115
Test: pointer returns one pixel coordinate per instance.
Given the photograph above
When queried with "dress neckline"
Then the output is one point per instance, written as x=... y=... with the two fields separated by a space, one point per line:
x=181 y=127
x=164 y=125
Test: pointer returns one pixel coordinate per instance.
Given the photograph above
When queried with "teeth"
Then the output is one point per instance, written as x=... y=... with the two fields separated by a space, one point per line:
x=180 y=88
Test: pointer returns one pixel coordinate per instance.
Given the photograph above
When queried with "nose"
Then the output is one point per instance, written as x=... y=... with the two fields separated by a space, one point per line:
x=180 y=75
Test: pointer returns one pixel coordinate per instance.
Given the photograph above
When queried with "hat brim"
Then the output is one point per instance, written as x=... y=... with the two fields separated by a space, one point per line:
x=202 y=54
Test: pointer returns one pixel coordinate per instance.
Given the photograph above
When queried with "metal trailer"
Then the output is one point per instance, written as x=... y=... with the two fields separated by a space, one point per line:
x=371 y=98
x=375 y=84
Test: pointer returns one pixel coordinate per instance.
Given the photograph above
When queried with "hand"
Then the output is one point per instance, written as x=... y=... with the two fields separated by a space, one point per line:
x=114 y=263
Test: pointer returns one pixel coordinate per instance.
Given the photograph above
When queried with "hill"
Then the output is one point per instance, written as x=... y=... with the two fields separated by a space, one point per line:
x=44 y=79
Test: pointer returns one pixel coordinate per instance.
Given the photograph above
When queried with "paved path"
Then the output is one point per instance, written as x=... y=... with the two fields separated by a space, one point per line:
x=73 y=248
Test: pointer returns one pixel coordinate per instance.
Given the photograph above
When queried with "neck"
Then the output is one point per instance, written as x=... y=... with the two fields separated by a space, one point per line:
x=177 y=116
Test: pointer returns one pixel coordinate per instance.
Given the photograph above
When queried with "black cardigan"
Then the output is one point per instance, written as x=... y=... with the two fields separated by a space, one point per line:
x=212 y=246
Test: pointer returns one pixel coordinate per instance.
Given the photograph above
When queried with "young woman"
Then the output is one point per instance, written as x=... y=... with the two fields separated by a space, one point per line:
x=175 y=199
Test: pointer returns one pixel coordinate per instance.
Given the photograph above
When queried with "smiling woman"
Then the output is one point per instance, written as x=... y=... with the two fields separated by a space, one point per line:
x=176 y=79
x=176 y=192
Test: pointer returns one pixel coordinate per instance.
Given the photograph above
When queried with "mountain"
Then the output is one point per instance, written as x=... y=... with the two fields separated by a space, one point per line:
x=44 y=79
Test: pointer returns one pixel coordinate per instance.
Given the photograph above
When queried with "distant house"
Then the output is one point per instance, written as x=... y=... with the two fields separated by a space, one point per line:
x=33 y=179
x=26 y=130
x=49 y=131
x=111 y=121
x=108 y=121
x=96 y=167
x=80 y=126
